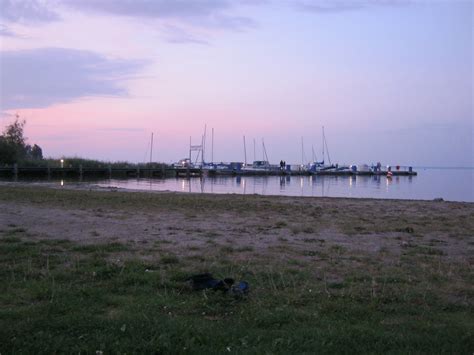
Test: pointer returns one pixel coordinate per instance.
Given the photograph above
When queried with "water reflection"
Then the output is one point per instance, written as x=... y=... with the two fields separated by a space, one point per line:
x=337 y=186
x=350 y=186
x=455 y=185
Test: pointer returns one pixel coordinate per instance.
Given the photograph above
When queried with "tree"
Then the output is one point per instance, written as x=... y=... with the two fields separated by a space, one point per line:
x=8 y=153
x=13 y=147
x=13 y=133
x=36 y=152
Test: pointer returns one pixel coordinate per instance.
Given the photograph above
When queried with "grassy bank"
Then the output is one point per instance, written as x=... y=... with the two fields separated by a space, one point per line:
x=88 y=271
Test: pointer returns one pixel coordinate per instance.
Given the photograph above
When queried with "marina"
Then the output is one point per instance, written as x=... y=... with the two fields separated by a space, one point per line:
x=196 y=165
x=190 y=170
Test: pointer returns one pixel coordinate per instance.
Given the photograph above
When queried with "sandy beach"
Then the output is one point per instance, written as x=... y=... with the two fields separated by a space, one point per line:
x=270 y=230
x=277 y=229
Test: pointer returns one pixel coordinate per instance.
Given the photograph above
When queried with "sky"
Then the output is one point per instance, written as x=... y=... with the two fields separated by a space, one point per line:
x=390 y=80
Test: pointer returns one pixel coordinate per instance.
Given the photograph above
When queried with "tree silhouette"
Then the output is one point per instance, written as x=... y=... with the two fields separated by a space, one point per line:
x=13 y=147
x=13 y=133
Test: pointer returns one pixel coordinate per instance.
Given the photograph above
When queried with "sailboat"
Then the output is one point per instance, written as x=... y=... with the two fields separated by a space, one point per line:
x=259 y=166
x=316 y=167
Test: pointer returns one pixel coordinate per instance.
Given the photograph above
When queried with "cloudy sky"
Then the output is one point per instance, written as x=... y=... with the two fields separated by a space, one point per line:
x=390 y=80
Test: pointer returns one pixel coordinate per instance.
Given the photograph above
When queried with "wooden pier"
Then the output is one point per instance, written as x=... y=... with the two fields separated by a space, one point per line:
x=79 y=171
x=164 y=171
x=307 y=173
x=188 y=172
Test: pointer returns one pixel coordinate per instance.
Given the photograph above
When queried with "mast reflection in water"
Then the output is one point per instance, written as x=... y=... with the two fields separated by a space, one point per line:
x=454 y=185
x=430 y=183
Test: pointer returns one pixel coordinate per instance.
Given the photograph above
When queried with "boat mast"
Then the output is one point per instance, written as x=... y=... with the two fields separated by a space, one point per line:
x=212 y=146
x=265 y=156
x=302 y=151
x=245 y=153
x=254 y=155
x=326 y=144
x=323 y=144
x=202 y=150
x=204 y=143
x=190 y=143
x=151 y=148
x=196 y=148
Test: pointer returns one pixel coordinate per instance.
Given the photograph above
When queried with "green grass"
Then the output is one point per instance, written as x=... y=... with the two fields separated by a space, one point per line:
x=63 y=297
x=169 y=259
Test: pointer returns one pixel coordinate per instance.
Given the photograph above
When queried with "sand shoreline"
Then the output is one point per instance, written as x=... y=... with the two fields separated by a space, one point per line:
x=187 y=218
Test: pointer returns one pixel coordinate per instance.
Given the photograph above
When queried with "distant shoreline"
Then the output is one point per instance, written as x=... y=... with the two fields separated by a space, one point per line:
x=444 y=167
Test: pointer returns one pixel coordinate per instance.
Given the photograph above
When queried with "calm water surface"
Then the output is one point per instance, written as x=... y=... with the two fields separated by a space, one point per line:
x=449 y=184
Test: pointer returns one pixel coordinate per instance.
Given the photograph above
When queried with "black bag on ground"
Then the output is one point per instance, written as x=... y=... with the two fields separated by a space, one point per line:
x=207 y=281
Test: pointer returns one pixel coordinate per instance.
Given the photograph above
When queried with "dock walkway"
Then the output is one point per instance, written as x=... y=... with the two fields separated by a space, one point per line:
x=168 y=171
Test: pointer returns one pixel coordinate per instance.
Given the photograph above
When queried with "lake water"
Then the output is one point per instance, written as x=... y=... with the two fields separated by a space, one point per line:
x=449 y=184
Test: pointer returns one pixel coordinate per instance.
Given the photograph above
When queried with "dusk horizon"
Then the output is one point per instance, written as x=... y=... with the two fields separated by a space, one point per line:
x=390 y=81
